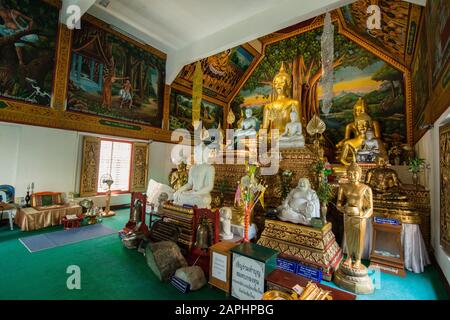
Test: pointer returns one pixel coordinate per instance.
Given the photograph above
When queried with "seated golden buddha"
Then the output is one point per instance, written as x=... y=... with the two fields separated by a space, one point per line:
x=355 y=147
x=384 y=181
x=277 y=114
x=351 y=130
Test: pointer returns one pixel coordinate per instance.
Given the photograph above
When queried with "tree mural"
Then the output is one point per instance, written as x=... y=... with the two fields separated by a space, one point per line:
x=302 y=55
x=27 y=50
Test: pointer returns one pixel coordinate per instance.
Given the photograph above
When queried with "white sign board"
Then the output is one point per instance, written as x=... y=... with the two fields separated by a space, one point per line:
x=247 y=278
x=219 y=266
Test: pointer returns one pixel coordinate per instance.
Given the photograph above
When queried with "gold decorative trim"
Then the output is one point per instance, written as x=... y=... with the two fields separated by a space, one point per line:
x=24 y=113
x=166 y=108
x=444 y=142
x=61 y=77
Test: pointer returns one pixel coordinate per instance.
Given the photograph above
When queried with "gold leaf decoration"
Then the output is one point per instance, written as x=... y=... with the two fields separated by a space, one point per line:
x=316 y=126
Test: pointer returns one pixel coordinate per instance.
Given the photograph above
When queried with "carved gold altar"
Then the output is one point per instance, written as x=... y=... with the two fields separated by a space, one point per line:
x=444 y=142
x=315 y=247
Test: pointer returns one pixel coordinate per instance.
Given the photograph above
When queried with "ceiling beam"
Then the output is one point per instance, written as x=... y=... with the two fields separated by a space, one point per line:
x=67 y=13
x=286 y=13
x=422 y=3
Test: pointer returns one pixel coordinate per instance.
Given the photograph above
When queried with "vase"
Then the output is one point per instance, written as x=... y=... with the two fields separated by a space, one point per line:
x=415 y=179
x=397 y=161
x=323 y=212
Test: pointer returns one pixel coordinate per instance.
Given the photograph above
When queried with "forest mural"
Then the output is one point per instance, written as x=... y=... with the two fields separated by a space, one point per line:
x=114 y=78
x=181 y=112
x=357 y=73
x=28 y=32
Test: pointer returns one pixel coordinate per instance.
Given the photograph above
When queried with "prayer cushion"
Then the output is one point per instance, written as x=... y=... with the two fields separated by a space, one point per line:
x=164 y=258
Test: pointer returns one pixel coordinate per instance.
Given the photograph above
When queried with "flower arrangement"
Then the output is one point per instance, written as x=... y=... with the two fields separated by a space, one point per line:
x=325 y=193
x=250 y=191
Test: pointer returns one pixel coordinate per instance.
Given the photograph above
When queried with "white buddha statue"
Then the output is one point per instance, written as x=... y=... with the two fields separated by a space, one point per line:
x=292 y=136
x=226 y=214
x=301 y=205
x=197 y=191
x=249 y=128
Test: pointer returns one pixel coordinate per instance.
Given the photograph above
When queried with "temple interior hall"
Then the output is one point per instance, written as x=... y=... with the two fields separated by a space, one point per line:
x=225 y=150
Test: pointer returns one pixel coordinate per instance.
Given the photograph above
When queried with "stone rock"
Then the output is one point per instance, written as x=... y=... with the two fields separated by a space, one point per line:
x=164 y=258
x=193 y=275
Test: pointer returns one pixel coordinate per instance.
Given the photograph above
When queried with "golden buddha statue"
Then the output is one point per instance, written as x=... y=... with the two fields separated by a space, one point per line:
x=356 y=203
x=384 y=181
x=364 y=142
x=178 y=177
x=351 y=128
x=278 y=113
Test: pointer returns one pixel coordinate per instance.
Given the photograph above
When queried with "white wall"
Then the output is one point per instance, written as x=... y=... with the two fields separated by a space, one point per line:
x=428 y=148
x=51 y=158
x=160 y=161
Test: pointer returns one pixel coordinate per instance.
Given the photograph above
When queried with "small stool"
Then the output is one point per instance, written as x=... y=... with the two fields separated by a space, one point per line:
x=72 y=223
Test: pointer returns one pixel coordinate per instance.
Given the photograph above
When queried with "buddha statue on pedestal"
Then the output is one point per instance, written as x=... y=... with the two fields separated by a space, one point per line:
x=355 y=202
x=276 y=114
x=301 y=205
x=292 y=136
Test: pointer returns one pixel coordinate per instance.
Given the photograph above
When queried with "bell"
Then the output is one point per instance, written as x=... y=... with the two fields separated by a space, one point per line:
x=202 y=238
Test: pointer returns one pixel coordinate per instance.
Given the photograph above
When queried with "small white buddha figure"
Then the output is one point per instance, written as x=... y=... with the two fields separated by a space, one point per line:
x=249 y=128
x=292 y=136
x=370 y=148
x=197 y=191
x=301 y=205
x=226 y=215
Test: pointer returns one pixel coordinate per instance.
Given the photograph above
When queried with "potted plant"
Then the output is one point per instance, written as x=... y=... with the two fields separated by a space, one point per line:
x=415 y=166
x=325 y=193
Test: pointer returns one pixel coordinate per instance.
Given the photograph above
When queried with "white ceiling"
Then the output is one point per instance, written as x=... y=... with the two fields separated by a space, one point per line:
x=188 y=30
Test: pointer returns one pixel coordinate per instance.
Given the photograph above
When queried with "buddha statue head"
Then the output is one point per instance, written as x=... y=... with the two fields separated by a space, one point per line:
x=281 y=81
x=363 y=123
x=381 y=161
x=359 y=108
x=354 y=173
x=294 y=116
x=304 y=184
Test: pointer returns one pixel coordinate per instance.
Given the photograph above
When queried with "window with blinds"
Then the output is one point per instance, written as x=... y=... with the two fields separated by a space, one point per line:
x=115 y=159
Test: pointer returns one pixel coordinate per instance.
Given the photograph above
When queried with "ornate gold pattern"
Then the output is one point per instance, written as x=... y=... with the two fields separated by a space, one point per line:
x=444 y=164
x=62 y=68
x=90 y=166
x=139 y=167
x=315 y=247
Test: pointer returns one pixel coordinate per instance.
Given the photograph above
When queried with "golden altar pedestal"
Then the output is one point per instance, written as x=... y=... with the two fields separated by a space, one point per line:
x=313 y=247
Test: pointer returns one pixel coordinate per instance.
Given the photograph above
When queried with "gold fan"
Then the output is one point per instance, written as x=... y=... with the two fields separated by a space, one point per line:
x=316 y=126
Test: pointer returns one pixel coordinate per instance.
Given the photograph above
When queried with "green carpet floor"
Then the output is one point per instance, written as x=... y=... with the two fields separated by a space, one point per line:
x=110 y=271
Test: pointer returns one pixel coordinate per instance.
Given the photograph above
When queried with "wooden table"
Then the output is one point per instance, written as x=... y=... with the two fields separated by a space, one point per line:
x=285 y=281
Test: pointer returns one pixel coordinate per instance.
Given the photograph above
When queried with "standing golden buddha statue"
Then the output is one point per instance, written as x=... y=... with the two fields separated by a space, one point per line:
x=277 y=114
x=355 y=201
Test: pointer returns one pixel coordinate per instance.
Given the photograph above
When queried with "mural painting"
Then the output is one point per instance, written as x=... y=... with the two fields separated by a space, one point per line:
x=221 y=72
x=439 y=21
x=112 y=77
x=181 y=112
x=28 y=32
x=358 y=73
x=420 y=68
x=397 y=32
